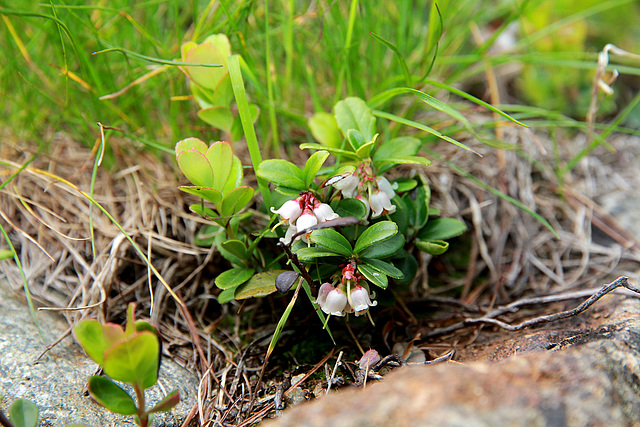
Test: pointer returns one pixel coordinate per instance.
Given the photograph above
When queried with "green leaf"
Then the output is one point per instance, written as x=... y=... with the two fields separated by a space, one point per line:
x=217 y=116
x=259 y=285
x=207 y=193
x=377 y=232
x=373 y=275
x=433 y=247
x=23 y=413
x=236 y=130
x=306 y=254
x=235 y=176
x=324 y=129
x=191 y=144
x=227 y=295
x=441 y=229
x=334 y=151
x=397 y=147
x=236 y=200
x=282 y=172
x=409 y=267
x=402 y=214
x=134 y=360
x=332 y=240
x=407 y=76
x=234 y=277
x=170 y=400
x=236 y=247
x=203 y=211
x=365 y=150
x=356 y=139
x=419 y=199
x=195 y=166
x=313 y=165
x=289 y=192
x=111 y=396
x=384 y=249
x=350 y=207
x=405 y=184
x=95 y=338
x=220 y=158
x=384 y=267
x=229 y=256
x=353 y=113
x=406 y=160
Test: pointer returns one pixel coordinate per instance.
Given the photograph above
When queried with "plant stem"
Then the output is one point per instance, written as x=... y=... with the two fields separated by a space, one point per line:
x=143 y=416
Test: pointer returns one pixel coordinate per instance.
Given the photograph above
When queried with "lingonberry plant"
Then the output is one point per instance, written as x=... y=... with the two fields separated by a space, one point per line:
x=131 y=355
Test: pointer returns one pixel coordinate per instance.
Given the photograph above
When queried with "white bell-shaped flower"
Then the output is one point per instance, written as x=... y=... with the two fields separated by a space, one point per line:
x=360 y=300
x=387 y=187
x=348 y=185
x=323 y=212
x=380 y=204
x=334 y=302
x=289 y=211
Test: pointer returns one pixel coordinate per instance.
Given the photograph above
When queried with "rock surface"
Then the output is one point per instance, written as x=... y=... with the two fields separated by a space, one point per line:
x=561 y=376
x=56 y=383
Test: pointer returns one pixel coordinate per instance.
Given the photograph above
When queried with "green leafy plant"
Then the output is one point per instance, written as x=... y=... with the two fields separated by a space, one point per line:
x=22 y=413
x=130 y=355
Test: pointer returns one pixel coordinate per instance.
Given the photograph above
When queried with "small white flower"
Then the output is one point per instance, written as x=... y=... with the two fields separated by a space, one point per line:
x=360 y=300
x=334 y=302
x=385 y=185
x=324 y=290
x=380 y=204
x=366 y=204
x=306 y=220
x=348 y=186
x=324 y=212
x=289 y=211
x=289 y=234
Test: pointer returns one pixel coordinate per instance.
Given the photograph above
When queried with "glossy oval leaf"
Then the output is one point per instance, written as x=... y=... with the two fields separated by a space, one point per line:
x=313 y=165
x=384 y=249
x=235 y=176
x=408 y=264
x=282 y=172
x=236 y=247
x=259 y=285
x=405 y=160
x=234 y=277
x=365 y=150
x=375 y=233
x=354 y=113
x=356 y=140
x=324 y=129
x=335 y=151
x=401 y=146
x=89 y=335
x=207 y=193
x=23 y=413
x=195 y=166
x=308 y=254
x=170 y=400
x=191 y=144
x=111 y=396
x=236 y=200
x=373 y=275
x=134 y=360
x=203 y=211
x=441 y=229
x=220 y=158
x=226 y=295
x=384 y=267
x=217 y=116
x=350 y=207
x=332 y=240
x=433 y=247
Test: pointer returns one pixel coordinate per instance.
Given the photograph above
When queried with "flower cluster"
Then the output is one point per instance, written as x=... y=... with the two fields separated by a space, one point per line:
x=375 y=192
x=349 y=294
x=301 y=213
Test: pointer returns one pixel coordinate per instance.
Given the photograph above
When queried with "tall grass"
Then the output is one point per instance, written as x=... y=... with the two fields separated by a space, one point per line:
x=302 y=57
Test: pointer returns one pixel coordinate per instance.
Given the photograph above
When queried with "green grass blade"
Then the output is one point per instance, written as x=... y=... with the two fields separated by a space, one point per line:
x=405 y=70
x=247 y=124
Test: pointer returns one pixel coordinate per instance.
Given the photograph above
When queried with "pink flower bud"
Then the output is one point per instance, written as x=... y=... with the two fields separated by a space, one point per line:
x=369 y=359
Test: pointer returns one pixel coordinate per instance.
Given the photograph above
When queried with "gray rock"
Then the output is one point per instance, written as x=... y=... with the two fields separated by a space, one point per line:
x=56 y=383
x=586 y=371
